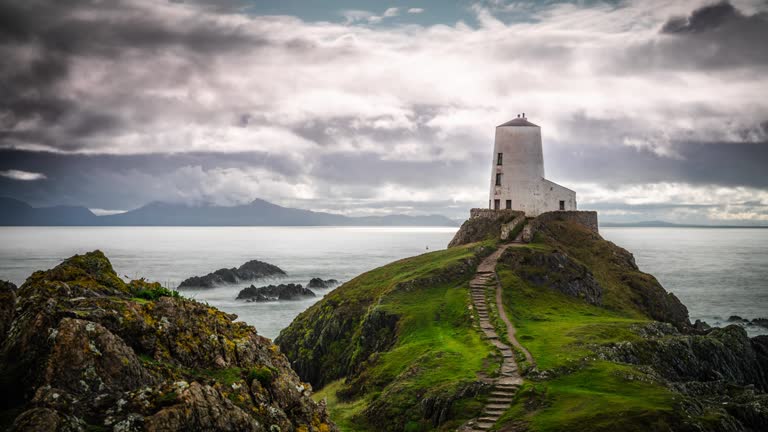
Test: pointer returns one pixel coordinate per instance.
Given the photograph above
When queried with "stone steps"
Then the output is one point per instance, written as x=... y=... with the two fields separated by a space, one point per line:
x=506 y=385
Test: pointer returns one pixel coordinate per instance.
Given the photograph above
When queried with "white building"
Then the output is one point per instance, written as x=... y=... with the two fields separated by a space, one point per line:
x=517 y=174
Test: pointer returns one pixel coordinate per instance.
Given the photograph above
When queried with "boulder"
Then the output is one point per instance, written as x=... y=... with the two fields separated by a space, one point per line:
x=320 y=283
x=86 y=352
x=274 y=292
x=249 y=271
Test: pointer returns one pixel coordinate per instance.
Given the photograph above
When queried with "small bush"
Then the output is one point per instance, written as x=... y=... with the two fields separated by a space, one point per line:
x=265 y=375
x=150 y=291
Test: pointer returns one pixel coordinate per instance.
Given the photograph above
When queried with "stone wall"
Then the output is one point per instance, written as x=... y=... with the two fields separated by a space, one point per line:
x=510 y=229
x=484 y=224
x=585 y=218
x=491 y=214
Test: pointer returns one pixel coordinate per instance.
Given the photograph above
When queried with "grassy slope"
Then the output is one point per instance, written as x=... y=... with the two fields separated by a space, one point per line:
x=584 y=393
x=436 y=351
x=576 y=391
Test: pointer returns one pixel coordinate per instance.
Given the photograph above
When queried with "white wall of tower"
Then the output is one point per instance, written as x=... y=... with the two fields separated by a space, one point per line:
x=522 y=184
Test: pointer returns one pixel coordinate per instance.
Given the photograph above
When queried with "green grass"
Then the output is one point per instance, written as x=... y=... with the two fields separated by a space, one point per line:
x=436 y=351
x=342 y=412
x=558 y=329
x=585 y=394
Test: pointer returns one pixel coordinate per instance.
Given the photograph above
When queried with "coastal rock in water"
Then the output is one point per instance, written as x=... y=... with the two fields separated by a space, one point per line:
x=762 y=322
x=7 y=305
x=319 y=283
x=87 y=351
x=249 y=271
x=274 y=292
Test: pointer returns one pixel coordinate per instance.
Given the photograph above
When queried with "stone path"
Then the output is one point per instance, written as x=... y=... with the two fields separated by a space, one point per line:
x=509 y=381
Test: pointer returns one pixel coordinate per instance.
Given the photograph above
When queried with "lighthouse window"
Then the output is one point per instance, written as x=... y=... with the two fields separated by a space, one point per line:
x=509 y=204
x=562 y=205
x=498 y=159
x=498 y=179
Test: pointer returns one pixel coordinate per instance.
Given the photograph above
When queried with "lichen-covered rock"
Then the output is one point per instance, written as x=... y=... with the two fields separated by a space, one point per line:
x=87 y=351
x=7 y=305
x=249 y=271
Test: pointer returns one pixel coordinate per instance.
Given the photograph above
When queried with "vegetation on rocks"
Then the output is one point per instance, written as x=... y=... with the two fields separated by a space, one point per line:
x=608 y=365
x=397 y=348
x=86 y=351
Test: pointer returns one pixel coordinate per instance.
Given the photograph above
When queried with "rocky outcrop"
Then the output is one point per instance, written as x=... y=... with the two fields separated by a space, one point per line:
x=554 y=270
x=320 y=283
x=7 y=305
x=724 y=354
x=274 y=293
x=614 y=268
x=723 y=374
x=85 y=353
x=484 y=224
x=249 y=271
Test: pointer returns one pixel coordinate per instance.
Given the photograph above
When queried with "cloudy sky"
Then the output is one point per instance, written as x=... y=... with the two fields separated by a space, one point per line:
x=649 y=109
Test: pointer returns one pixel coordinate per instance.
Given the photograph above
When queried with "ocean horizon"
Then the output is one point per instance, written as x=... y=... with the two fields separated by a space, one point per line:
x=716 y=273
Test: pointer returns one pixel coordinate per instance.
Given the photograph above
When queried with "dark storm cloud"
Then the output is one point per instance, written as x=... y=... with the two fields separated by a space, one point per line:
x=41 y=39
x=134 y=101
x=706 y=18
x=716 y=36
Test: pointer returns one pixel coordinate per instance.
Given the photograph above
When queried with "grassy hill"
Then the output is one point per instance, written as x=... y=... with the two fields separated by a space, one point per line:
x=399 y=349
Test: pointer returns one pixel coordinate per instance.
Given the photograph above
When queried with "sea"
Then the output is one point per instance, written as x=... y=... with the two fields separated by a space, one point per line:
x=716 y=272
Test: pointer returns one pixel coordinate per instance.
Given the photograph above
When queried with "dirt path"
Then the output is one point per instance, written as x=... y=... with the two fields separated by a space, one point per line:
x=509 y=381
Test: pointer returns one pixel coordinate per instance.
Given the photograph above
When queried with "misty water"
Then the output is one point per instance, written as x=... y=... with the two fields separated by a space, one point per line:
x=715 y=272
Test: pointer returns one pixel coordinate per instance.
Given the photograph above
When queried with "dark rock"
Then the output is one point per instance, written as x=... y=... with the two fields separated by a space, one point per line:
x=724 y=354
x=762 y=322
x=555 y=270
x=319 y=283
x=249 y=271
x=736 y=319
x=193 y=412
x=84 y=351
x=7 y=305
x=701 y=326
x=274 y=292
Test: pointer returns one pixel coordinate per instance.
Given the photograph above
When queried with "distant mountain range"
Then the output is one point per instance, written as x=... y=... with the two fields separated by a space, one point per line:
x=257 y=213
x=663 y=224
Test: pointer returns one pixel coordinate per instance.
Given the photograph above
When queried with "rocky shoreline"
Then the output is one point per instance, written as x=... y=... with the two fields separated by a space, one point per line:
x=80 y=349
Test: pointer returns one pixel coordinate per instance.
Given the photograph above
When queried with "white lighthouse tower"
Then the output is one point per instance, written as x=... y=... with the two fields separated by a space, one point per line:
x=517 y=173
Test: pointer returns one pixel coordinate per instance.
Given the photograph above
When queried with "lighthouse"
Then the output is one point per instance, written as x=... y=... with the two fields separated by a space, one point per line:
x=517 y=172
